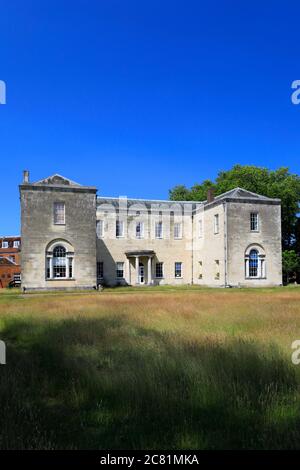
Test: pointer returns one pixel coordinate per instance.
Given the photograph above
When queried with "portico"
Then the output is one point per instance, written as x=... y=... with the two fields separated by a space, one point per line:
x=141 y=261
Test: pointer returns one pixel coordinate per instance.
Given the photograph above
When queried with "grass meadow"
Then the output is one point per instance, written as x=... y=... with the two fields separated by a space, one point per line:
x=156 y=368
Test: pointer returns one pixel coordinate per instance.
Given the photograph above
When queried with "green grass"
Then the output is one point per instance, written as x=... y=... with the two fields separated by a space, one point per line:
x=162 y=368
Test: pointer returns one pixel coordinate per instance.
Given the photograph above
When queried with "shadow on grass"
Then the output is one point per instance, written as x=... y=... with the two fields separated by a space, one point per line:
x=110 y=384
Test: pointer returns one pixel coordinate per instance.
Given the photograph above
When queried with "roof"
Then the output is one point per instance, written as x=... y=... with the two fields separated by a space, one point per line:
x=57 y=181
x=4 y=261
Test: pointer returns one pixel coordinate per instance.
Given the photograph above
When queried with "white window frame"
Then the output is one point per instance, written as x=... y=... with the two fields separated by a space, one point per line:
x=178 y=235
x=254 y=221
x=4 y=244
x=216 y=224
x=118 y=268
x=98 y=265
x=162 y=270
x=159 y=231
x=176 y=263
x=16 y=243
x=139 y=234
x=56 y=216
x=120 y=230
x=50 y=266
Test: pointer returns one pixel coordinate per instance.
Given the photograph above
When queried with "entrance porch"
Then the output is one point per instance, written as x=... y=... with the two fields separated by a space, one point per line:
x=140 y=267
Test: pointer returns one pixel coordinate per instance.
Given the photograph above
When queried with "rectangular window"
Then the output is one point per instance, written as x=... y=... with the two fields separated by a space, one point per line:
x=216 y=224
x=119 y=228
x=59 y=213
x=178 y=269
x=177 y=230
x=99 y=269
x=16 y=243
x=99 y=228
x=158 y=230
x=4 y=244
x=159 y=273
x=120 y=270
x=139 y=230
x=254 y=222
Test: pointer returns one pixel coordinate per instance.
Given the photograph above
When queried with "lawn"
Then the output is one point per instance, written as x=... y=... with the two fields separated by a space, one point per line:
x=156 y=368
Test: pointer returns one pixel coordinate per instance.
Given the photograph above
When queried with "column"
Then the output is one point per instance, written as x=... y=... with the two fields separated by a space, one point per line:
x=128 y=269
x=67 y=267
x=137 y=262
x=51 y=267
x=149 y=270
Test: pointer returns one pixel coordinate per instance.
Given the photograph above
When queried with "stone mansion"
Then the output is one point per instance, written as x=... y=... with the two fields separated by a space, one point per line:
x=72 y=238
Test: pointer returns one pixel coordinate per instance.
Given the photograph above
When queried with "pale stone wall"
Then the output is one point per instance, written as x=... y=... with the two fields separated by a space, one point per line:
x=240 y=238
x=38 y=231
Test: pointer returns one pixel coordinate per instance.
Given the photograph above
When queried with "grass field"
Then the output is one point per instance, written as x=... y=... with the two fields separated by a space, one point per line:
x=155 y=368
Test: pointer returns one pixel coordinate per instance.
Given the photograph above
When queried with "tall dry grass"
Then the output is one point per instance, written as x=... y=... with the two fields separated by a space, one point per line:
x=173 y=369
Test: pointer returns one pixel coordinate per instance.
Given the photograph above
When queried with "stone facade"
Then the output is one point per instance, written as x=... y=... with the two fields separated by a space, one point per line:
x=231 y=240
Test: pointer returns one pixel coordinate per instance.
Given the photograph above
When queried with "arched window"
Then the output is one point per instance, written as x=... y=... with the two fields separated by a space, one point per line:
x=253 y=263
x=255 y=266
x=59 y=262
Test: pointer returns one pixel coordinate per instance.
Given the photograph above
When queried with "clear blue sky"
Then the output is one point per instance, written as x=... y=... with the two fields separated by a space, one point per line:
x=135 y=97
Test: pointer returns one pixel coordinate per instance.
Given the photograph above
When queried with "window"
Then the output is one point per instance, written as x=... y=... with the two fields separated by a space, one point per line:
x=139 y=230
x=200 y=228
x=59 y=262
x=253 y=263
x=178 y=269
x=100 y=228
x=217 y=267
x=16 y=243
x=254 y=222
x=159 y=270
x=4 y=244
x=177 y=230
x=119 y=228
x=99 y=269
x=120 y=270
x=216 y=223
x=158 y=230
x=59 y=213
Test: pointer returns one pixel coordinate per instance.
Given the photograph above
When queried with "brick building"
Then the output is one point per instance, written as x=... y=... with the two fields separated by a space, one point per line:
x=10 y=260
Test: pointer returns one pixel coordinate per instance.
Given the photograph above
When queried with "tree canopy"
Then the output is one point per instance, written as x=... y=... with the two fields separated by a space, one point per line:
x=278 y=183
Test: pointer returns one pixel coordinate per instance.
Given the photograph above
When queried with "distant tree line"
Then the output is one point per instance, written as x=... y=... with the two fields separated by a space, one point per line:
x=278 y=183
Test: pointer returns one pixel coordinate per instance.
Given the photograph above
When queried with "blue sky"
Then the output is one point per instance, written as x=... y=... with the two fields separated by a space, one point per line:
x=135 y=97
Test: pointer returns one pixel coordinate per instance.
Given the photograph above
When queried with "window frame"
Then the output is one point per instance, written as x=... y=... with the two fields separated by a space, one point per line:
x=254 y=221
x=100 y=269
x=119 y=223
x=141 y=231
x=159 y=234
x=100 y=232
x=159 y=264
x=175 y=269
x=216 y=224
x=179 y=235
x=56 y=214
x=120 y=270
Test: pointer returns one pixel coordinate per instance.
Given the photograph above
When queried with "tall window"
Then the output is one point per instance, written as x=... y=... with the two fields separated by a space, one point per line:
x=16 y=243
x=120 y=270
x=59 y=213
x=159 y=273
x=119 y=228
x=253 y=263
x=158 y=230
x=216 y=223
x=100 y=228
x=139 y=230
x=4 y=244
x=254 y=221
x=59 y=262
x=99 y=269
x=178 y=269
x=177 y=230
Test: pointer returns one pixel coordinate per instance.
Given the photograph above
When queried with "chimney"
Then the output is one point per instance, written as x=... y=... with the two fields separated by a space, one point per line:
x=210 y=194
x=25 y=176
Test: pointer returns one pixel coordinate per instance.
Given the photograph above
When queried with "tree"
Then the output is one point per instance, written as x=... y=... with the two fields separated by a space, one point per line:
x=290 y=264
x=278 y=183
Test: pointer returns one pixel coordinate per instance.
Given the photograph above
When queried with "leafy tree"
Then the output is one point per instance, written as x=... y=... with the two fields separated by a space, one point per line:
x=278 y=183
x=290 y=264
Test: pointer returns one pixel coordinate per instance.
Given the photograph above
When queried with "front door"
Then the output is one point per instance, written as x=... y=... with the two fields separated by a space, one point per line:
x=141 y=274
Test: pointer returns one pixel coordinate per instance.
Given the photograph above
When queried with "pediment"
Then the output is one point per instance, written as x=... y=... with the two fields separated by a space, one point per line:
x=57 y=180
